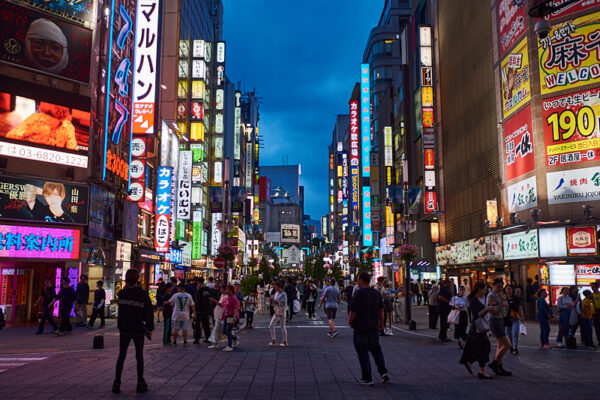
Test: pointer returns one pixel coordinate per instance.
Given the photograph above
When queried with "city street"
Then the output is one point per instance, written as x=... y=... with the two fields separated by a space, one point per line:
x=313 y=367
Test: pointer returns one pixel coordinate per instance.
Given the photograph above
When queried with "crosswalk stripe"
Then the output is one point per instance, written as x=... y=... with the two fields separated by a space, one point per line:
x=7 y=363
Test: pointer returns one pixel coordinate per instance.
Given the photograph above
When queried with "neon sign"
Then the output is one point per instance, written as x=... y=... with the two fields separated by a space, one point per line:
x=38 y=242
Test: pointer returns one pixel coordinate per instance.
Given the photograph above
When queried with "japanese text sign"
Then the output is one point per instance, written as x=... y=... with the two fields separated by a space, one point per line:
x=512 y=22
x=571 y=127
x=587 y=274
x=521 y=245
x=163 y=209
x=365 y=119
x=39 y=242
x=569 y=55
x=522 y=195
x=146 y=65
x=518 y=145
x=573 y=185
x=515 y=79
x=184 y=186
x=582 y=240
x=430 y=202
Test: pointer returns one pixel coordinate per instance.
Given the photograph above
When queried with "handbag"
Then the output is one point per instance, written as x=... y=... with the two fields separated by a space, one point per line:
x=481 y=325
x=297 y=306
x=522 y=329
x=454 y=317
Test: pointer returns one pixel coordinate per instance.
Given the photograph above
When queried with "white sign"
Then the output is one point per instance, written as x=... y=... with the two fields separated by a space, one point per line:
x=218 y=172
x=522 y=195
x=430 y=179
x=219 y=99
x=221 y=52
x=292 y=255
x=219 y=123
x=249 y=166
x=199 y=69
x=138 y=147
x=521 y=245
x=217 y=235
x=272 y=237
x=562 y=274
x=146 y=64
x=51 y=156
x=186 y=254
x=237 y=126
x=137 y=191
x=219 y=147
x=553 y=242
x=198 y=49
x=574 y=185
x=184 y=186
x=137 y=169
x=123 y=252
x=290 y=233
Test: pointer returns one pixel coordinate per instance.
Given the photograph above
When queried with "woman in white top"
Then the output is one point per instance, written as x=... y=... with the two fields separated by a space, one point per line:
x=218 y=311
x=460 y=303
x=279 y=302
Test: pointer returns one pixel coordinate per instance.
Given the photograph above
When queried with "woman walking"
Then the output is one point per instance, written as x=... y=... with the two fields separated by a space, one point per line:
x=311 y=299
x=477 y=346
x=160 y=299
x=565 y=305
x=231 y=313
x=460 y=303
x=544 y=316
x=217 y=314
x=279 y=301
x=496 y=300
x=514 y=318
x=260 y=295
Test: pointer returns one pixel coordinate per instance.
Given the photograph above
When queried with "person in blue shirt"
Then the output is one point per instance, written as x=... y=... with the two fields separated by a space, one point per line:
x=544 y=316
x=332 y=298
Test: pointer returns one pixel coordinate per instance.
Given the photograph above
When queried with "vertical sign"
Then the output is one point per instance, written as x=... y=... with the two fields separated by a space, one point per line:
x=354 y=161
x=217 y=221
x=184 y=186
x=428 y=117
x=365 y=123
x=249 y=166
x=237 y=130
x=197 y=235
x=146 y=65
x=163 y=209
x=387 y=139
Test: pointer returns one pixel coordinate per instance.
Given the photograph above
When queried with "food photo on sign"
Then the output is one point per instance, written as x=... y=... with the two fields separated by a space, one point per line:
x=40 y=200
x=44 y=43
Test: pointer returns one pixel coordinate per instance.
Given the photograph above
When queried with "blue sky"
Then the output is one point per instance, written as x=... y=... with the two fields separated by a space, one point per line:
x=303 y=58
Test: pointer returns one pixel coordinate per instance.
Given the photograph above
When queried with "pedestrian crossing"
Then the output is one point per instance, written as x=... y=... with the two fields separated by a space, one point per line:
x=7 y=363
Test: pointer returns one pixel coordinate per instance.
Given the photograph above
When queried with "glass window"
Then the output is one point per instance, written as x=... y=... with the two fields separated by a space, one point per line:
x=382 y=74
x=382 y=48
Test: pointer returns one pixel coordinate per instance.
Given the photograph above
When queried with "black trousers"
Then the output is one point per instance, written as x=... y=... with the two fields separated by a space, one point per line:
x=365 y=342
x=310 y=306
x=95 y=313
x=444 y=324
x=425 y=298
x=433 y=317
x=47 y=316
x=202 y=318
x=138 y=340
x=596 y=322
x=65 y=317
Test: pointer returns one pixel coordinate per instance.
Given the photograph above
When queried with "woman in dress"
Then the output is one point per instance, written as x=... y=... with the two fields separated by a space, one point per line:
x=279 y=301
x=514 y=319
x=477 y=346
x=460 y=303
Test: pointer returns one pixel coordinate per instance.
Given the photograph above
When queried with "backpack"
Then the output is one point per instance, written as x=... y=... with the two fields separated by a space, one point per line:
x=578 y=308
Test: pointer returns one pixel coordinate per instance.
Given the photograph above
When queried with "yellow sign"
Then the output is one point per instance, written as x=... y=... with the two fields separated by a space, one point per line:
x=427 y=96
x=389 y=216
x=516 y=75
x=197 y=131
x=569 y=55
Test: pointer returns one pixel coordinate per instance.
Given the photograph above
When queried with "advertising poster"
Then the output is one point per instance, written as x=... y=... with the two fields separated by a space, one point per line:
x=44 y=43
x=512 y=22
x=216 y=198
x=518 y=145
x=487 y=248
x=569 y=55
x=184 y=186
x=582 y=240
x=586 y=274
x=39 y=200
x=37 y=242
x=102 y=213
x=515 y=79
x=521 y=245
x=79 y=11
x=572 y=8
x=572 y=128
x=553 y=242
x=290 y=233
x=522 y=195
x=574 y=185
x=163 y=209
x=35 y=123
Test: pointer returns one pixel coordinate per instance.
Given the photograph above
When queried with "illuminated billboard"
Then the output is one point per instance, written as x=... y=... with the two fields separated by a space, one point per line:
x=46 y=125
x=39 y=242
x=365 y=118
x=516 y=77
x=163 y=209
x=79 y=11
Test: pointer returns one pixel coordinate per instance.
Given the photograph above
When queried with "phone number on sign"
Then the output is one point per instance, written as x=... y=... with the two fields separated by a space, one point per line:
x=32 y=153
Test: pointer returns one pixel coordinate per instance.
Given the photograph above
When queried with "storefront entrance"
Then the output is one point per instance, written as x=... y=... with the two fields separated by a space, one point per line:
x=15 y=293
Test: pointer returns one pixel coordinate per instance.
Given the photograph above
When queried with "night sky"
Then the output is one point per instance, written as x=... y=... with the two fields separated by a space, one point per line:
x=302 y=58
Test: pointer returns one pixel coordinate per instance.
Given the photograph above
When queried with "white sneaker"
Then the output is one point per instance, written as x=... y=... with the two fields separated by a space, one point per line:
x=272 y=344
x=227 y=348
x=236 y=342
x=213 y=346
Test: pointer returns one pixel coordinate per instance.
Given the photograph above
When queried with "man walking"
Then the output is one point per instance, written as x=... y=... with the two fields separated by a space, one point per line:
x=182 y=306
x=292 y=294
x=66 y=298
x=203 y=310
x=98 y=306
x=47 y=297
x=434 y=292
x=136 y=319
x=331 y=297
x=366 y=318
x=444 y=309
x=83 y=296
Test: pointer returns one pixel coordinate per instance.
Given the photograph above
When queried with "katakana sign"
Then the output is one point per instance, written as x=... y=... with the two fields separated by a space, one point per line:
x=163 y=209
x=39 y=242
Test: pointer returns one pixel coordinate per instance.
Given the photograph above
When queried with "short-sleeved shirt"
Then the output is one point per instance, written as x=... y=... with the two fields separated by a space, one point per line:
x=48 y=294
x=203 y=296
x=495 y=300
x=250 y=307
x=332 y=296
x=445 y=292
x=366 y=303
x=182 y=303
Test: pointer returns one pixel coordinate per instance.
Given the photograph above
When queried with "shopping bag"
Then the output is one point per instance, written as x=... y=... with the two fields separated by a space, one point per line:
x=522 y=329
x=454 y=317
x=297 y=306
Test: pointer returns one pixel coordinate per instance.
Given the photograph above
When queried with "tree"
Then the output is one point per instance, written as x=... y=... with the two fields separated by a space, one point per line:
x=264 y=270
x=309 y=267
x=319 y=271
x=336 y=272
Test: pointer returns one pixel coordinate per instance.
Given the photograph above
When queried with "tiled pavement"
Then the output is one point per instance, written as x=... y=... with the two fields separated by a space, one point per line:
x=313 y=367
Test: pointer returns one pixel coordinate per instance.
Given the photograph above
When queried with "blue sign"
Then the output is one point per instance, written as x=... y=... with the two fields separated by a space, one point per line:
x=163 y=190
x=176 y=256
x=367 y=228
x=365 y=120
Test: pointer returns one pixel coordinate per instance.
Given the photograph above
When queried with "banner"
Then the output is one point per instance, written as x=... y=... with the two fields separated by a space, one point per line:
x=44 y=43
x=518 y=145
x=512 y=22
x=522 y=195
x=102 y=213
x=574 y=185
x=290 y=233
x=163 y=209
x=40 y=200
x=521 y=245
x=587 y=274
x=39 y=242
x=184 y=186
x=569 y=55
x=515 y=79
x=582 y=240
x=80 y=11
x=571 y=127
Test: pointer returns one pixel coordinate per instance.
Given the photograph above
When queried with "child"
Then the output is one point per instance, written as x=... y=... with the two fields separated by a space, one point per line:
x=250 y=302
x=98 y=307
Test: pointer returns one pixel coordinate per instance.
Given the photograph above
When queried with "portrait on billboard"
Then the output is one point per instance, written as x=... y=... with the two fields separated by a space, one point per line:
x=102 y=213
x=44 y=43
x=27 y=120
x=80 y=11
x=40 y=200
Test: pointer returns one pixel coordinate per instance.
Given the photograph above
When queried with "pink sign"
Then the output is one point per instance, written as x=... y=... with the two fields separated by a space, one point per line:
x=39 y=242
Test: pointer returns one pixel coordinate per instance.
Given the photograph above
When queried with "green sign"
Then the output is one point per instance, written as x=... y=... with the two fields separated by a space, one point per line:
x=197 y=240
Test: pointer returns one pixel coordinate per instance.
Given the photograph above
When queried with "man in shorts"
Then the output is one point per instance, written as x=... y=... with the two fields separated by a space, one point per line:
x=331 y=297
x=182 y=308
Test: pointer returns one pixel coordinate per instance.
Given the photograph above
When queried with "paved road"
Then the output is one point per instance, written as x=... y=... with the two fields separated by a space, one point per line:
x=313 y=367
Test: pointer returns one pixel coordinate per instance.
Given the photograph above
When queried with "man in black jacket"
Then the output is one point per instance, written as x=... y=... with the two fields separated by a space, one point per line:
x=66 y=298
x=83 y=296
x=136 y=319
x=291 y=292
x=203 y=310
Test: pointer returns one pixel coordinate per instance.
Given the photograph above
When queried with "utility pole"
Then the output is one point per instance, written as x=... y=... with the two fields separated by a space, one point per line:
x=405 y=187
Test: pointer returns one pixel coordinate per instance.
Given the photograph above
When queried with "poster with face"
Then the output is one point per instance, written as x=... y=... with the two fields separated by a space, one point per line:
x=44 y=43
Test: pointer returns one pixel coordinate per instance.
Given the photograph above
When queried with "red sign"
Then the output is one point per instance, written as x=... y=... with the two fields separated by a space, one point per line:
x=430 y=201
x=571 y=128
x=518 y=145
x=571 y=9
x=427 y=117
x=161 y=237
x=512 y=22
x=219 y=262
x=582 y=240
x=587 y=274
x=429 y=158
